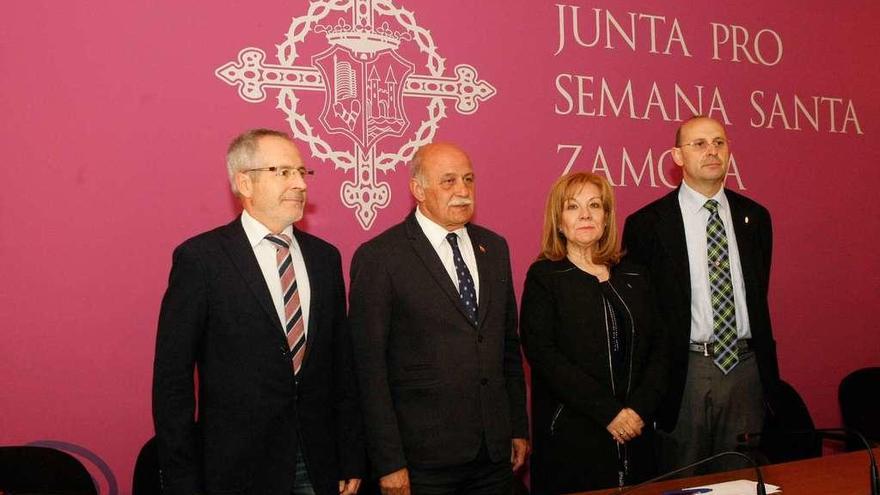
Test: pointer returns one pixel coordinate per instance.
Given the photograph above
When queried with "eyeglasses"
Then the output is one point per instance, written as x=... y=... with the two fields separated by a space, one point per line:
x=702 y=145
x=285 y=172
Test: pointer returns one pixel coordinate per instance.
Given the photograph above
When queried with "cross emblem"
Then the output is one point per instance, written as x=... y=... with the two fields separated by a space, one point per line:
x=364 y=81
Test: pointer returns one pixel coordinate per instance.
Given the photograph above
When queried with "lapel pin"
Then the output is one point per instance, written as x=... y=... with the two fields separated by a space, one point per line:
x=482 y=249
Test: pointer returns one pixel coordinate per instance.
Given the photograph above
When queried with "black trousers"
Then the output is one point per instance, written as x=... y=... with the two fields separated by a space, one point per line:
x=478 y=477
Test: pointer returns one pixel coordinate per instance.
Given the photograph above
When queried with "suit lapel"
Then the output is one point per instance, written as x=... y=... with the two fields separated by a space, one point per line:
x=429 y=258
x=670 y=228
x=316 y=277
x=485 y=263
x=237 y=246
x=739 y=214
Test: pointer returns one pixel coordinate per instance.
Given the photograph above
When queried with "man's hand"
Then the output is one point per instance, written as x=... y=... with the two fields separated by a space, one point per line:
x=519 y=449
x=396 y=483
x=349 y=487
x=626 y=425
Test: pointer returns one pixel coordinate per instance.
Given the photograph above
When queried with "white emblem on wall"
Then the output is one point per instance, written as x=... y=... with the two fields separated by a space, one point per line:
x=364 y=81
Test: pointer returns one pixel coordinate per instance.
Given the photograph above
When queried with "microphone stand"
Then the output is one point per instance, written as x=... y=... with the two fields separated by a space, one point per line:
x=827 y=433
x=760 y=489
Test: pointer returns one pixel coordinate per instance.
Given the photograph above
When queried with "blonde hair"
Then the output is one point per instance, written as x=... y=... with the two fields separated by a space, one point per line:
x=554 y=245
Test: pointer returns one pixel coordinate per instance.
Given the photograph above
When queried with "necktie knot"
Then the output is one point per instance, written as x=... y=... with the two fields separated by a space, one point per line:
x=281 y=241
x=711 y=205
x=452 y=238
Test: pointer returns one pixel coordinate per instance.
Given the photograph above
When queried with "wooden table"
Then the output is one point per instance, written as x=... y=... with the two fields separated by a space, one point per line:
x=840 y=474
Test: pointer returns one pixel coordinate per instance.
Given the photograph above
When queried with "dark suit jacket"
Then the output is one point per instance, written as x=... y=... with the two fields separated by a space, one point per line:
x=434 y=384
x=217 y=315
x=574 y=393
x=654 y=237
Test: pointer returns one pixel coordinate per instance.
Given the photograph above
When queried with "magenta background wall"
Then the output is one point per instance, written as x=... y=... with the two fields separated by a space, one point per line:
x=114 y=126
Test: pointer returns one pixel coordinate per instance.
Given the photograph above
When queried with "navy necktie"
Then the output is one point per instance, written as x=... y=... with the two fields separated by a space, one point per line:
x=466 y=290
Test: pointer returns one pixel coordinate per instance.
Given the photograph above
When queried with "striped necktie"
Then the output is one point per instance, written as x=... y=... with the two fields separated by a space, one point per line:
x=294 y=326
x=721 y=291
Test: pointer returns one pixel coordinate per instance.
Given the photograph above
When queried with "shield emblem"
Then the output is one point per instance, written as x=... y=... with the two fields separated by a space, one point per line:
x=364 y=98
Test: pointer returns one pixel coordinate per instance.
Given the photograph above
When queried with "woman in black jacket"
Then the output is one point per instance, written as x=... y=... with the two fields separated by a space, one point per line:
x=592 y=338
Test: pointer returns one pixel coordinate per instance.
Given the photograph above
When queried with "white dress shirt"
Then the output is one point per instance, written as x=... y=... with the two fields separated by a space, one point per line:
x=265 y=252
x=436 y=235
x=695 y=217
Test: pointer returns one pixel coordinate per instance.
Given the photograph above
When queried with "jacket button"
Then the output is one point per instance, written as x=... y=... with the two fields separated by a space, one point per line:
x=484 y=381
x=480 y=338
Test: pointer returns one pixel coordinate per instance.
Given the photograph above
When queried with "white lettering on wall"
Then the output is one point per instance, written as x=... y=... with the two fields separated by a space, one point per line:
x=580 y=96
x=735 y=40
x=633 y=30
x=652 y=172
x=819 y=113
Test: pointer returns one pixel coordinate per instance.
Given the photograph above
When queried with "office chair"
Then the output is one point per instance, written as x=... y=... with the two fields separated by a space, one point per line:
x=859 y=397
x=786 y=414
x=27 y=469
x=146 y=470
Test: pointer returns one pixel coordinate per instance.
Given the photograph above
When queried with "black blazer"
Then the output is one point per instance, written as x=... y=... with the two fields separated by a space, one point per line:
x=574 y=394
x=654 y=237
x=434 y=384
x=217 y=316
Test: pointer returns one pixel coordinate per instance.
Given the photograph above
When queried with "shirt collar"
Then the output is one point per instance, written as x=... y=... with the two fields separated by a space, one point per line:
x=435 y=233
x=256 y=232
x=693 y=202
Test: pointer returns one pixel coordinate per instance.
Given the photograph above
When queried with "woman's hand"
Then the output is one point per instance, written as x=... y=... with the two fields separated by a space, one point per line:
x=625 y=426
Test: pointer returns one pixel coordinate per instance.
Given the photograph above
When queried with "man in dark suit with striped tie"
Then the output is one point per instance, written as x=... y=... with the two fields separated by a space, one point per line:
x=433 y=320
x=257 y=309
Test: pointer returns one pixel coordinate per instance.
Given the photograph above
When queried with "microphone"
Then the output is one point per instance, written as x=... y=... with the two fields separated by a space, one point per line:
x=833 y=433
x=760 y=489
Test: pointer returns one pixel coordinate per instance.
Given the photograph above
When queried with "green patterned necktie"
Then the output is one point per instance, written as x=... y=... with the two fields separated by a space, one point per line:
x=721 y=290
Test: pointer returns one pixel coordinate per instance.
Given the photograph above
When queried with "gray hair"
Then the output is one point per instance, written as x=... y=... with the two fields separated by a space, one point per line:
x=242 y=150
x=415 y=166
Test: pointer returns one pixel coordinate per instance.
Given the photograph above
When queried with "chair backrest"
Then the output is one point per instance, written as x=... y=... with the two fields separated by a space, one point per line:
x=859 y=397
x=519 y=485
x=27 y=469
x=146 y=471
x=787 y=413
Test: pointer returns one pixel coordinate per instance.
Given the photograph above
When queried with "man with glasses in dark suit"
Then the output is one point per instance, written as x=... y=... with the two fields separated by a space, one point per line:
x=257 y=309
x=707 y=250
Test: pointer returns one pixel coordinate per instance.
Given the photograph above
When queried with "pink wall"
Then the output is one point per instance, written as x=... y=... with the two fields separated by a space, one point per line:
x=115 y=126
